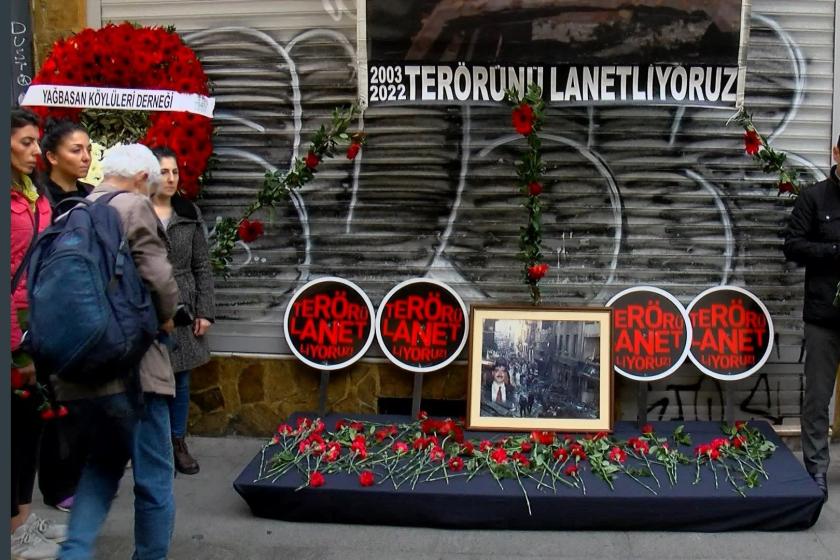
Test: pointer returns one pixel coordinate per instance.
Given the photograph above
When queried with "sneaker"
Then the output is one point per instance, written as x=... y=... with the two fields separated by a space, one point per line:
x=28 y=544
x=65 y=505
x=47 y=528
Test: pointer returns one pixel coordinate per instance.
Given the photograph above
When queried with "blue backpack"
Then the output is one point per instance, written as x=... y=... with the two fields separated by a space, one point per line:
x=91 y=318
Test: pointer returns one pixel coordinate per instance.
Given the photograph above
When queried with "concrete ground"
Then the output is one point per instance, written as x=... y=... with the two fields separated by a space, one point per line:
x=214 y=523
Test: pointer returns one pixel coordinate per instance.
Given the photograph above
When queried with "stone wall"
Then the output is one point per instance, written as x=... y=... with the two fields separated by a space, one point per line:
x=250 y=396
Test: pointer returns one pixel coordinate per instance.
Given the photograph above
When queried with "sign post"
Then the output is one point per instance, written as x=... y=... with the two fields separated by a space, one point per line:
x=328 y=326
x=651 y=332
x=732 y=337
x=421 y=327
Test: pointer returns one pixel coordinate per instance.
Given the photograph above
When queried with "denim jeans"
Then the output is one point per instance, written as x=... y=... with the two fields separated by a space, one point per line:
x=179 y=407
x=118 y=431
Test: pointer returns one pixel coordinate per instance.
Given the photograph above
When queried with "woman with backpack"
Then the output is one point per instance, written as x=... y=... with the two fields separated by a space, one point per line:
x=32 y=537
x=66 y=153
x=190 y=258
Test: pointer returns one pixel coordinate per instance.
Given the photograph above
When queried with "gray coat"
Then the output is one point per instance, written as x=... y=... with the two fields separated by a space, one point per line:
x=147 y=242
x=190 y=258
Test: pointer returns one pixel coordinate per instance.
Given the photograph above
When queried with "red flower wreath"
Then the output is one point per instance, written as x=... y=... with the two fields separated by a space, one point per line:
x=125 y=56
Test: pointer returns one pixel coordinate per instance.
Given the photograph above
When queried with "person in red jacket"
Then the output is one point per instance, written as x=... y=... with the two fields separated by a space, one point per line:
x=32 y=538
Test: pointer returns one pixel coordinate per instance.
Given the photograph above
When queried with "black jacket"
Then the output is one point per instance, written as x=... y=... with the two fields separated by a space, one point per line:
x=812 y=238
x=56 y=194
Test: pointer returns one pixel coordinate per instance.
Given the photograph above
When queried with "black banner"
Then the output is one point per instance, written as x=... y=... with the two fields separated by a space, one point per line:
x=22 y=59
x=421 y=325
x=579 y=52
x=329 y=323
x=732 y=333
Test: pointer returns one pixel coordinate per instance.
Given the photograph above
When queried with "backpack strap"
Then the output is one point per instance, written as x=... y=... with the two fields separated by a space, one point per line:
x=120 y=264
x=19 y=272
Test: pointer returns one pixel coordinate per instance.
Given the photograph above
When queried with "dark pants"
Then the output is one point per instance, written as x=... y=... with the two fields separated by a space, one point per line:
x=63 y=454
x=26 y=436
x=822 y=357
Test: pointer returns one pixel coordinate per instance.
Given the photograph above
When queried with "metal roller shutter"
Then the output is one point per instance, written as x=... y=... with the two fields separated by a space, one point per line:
x=635 y=195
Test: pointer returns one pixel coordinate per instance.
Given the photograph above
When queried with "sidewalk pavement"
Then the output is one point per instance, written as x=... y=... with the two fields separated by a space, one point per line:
x=214 y=523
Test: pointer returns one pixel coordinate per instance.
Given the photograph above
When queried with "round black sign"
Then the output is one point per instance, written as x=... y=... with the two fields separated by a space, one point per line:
x=650 y=333
x=732 y=333
x=421 y=325
x=329 y=323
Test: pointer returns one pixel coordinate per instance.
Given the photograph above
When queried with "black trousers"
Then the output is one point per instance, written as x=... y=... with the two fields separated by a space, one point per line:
x=26 y=438
x=63 y=454
x=822 y=357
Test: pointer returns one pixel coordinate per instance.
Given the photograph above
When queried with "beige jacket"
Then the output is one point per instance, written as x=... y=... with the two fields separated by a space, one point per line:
x=147 y=241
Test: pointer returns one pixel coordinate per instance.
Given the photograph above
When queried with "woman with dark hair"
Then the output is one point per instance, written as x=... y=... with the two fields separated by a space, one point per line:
x=32 y=537
x=67 y=156
x=66 y=152
x=190 y=258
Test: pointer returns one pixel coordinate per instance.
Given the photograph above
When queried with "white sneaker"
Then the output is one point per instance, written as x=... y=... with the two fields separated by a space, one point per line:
x=47 y=528
x=28 y=544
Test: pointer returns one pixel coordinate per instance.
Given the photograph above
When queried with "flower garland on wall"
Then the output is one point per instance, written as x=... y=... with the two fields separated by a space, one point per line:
x=771 y=161
x=430 y=450
x=527 y=119
x=277 y=185
x=135 y=57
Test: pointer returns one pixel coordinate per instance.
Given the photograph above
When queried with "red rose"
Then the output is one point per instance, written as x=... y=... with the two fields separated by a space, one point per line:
x=739 y=441
x=400 y=447
x=275 y=440
x=537 y=271
x=740 y=425
x=484 y=445
x=560 y=454
x=437 y=453
x=47 y=414
x=534 y=188
x=312 y=160
x=456 y=464
x=785 y=187
x=545 y=438
x=366 y=478
x=571 y=470
x=499 y=455
x=62 y=411
x=249 y=231
x=714 y=454
x=468 y=448
x=752 y=142
x=357 y=426
x=316 y=479
x=353 y=150
x=525 y=446
x=717 y=443
x=284 y=429
x=333 y=451
x=520 y=458
x=523 y=119
x=17 y=378
x=702 y=449
x=647 y=429
x=618 y=455
x=422 y=415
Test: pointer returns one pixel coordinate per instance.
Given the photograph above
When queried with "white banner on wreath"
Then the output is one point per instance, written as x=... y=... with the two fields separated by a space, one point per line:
x=118 y=98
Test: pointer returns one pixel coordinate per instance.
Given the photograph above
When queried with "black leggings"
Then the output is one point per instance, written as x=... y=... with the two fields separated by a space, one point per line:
x=26 y=437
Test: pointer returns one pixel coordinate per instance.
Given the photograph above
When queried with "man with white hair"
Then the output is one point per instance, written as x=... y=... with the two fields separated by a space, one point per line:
x=128 y=418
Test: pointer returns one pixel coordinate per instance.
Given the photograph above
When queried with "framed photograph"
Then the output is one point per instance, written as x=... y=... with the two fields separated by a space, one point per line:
x=540 y=369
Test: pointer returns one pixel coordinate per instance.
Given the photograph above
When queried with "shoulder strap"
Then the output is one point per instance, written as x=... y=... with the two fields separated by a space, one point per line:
x=28 y=254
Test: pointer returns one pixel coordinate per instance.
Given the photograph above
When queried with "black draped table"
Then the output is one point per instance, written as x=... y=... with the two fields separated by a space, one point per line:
x=789 y=500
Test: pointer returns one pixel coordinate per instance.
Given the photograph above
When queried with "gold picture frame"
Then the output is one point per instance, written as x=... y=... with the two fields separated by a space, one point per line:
x=540 y=368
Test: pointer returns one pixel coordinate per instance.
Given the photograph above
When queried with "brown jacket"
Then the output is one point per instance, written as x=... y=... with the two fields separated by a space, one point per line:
x=147 y=241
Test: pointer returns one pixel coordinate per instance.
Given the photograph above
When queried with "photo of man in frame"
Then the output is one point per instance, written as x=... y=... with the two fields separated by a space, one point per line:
x=540 y=369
